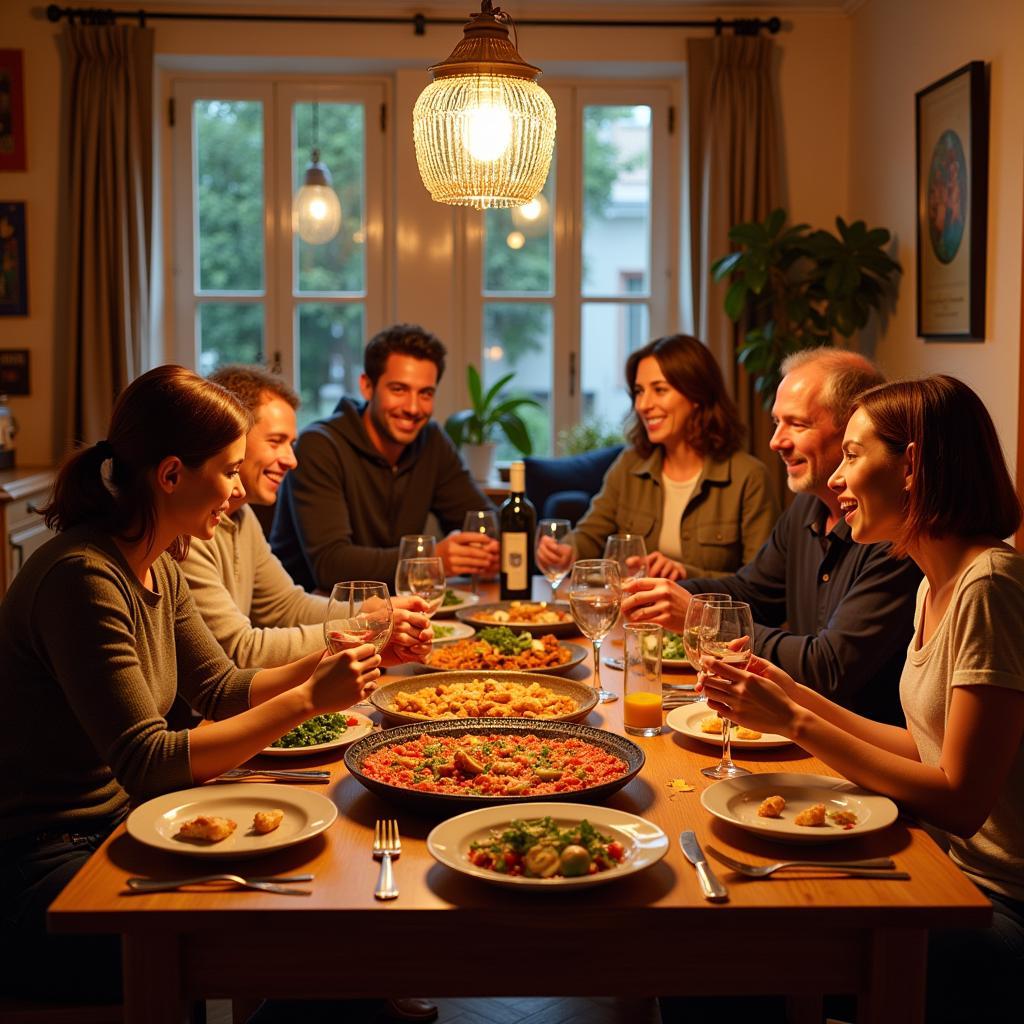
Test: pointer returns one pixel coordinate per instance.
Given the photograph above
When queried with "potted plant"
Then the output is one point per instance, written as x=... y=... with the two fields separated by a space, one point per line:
x=473 y=430
x=799 y=288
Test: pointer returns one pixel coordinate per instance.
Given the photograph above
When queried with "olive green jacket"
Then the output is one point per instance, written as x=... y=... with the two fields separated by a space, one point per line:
x=729 y=516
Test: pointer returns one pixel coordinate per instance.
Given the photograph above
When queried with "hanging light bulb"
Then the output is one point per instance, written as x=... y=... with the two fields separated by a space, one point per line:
x=316 y=209
x=484 y=129
x=532 y=218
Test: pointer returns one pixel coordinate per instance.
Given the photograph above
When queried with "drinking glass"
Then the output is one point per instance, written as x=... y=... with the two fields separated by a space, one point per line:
x=425 y=579
x=485 y=523
x=727 y=632
x=412 y=545
x=555 y=565
x=358 y=612
x=641 y=678
x=629 y=550
x=594 y=598
x=691 y=627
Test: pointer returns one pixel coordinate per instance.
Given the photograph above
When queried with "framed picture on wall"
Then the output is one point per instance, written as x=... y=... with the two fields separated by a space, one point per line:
x=13 y=260
x=952 y=205
x=12 y=112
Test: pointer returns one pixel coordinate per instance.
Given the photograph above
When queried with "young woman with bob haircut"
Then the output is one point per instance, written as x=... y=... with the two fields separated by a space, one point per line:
x=923 y=469
x=98 y=633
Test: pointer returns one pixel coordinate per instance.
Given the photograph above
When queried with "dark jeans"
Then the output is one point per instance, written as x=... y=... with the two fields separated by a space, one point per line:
x=36 y=964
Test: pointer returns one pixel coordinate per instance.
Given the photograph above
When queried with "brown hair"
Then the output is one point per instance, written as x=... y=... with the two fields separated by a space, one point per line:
x=846 y=374
x=250 y=383
x=960 y=485
x=714 y=427
x=167 y=411
x=403 y=339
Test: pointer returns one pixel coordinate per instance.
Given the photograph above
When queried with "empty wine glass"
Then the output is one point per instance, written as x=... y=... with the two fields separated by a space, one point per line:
x=629 y=550
x=594 y=598
x=425 y=579
x=554 y=555
x=485 y=523
x=727 y=633
x=358 y=612
x=412 y=545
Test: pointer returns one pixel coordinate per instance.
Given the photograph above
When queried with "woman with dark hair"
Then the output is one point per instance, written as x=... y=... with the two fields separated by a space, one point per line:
x=98 y=633
x=923 y=469
x=702 y=506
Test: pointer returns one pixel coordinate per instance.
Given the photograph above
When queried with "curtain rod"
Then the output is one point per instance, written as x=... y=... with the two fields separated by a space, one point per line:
x=418 y=22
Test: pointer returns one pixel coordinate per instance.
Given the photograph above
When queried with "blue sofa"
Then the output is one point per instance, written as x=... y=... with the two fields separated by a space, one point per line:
x=562 y=488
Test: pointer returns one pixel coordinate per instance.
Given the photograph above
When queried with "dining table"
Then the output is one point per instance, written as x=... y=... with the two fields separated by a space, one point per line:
x=802 y=935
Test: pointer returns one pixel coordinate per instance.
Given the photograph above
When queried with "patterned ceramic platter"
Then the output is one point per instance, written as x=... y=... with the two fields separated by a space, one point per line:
x=503 y=613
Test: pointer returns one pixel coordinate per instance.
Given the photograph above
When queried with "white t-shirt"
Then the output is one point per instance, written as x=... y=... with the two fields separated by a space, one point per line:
x=677 y=497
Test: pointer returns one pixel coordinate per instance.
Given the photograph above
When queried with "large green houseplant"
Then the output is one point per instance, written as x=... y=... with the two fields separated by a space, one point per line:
x=799 y=288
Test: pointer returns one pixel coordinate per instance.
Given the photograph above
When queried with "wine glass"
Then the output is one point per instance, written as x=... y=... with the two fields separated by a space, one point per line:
x=594 y=598
x=425 y=579
x=554 y=563
x=358 y=612
x=485 y=523
x=412 y=545
x=691 y=627
x=629 y=550
x=727 y=633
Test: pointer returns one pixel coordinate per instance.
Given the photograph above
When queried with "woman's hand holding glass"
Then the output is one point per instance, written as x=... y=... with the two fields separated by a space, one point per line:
x=481 y=529
x=358 y=612
x=629 y=550
x=594 y=598
x=343 y=679
x=762 y=696
x=426 y=580
x=412 y=638
x=554 y=555
x=692 y=626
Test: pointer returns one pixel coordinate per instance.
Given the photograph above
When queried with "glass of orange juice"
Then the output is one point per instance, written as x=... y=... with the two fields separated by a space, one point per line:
x=641 y=710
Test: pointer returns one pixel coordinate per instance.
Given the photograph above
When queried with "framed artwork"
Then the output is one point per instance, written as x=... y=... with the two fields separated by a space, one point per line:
x=952 y=205
x=12 y=112
x=13 y=260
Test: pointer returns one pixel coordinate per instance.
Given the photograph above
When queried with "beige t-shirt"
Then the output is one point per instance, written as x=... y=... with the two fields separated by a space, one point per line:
x=977 y=643
x=677 y=496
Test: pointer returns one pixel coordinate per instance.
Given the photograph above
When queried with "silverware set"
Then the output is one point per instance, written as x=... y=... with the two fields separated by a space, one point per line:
x=276 y=884
x=387 y=846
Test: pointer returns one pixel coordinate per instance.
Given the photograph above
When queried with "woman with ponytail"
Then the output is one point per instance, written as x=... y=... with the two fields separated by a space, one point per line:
x=98 y=635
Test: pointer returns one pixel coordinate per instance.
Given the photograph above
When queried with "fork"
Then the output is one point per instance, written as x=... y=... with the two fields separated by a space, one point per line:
x=282 y=774
x=386 y=845
x=142 y=885
x=878 y=867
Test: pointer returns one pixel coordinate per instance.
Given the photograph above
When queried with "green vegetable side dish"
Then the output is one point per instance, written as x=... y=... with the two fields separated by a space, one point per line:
x=505 y=641
x=450 y=597
x=540 y=848
x=672 y=646
x=321 y=729
x=442 y=632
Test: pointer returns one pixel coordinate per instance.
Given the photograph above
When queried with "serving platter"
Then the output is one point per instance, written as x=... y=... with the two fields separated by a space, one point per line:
x=383 y=697
x=350 y=735
x=466 y=599
x=564 y=627
x=576 y=655
x=686 y=721
x=737 y=800
x=645 y=844
x=306 y=814
x=608 y=742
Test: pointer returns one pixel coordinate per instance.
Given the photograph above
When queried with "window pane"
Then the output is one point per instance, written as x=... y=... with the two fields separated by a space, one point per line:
x=610 y=331
x=518 y=339
x=616 y=198
x=330 y=356
x=518 y=248
x=338 y=265
x=229 y=194
x=230 y=332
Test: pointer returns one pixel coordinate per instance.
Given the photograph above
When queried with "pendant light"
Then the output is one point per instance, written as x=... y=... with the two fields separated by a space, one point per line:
x=316 y=209
x=484 y=129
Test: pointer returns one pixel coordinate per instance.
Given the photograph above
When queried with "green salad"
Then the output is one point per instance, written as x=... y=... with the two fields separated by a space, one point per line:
x=442 y=632
x=505 y=641
x=672 y=646
x=321 y=729
x=450 y=597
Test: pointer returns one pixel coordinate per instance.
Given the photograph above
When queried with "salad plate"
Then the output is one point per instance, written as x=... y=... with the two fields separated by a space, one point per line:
x=455 y=600
x=362 y=727
x=448 y=632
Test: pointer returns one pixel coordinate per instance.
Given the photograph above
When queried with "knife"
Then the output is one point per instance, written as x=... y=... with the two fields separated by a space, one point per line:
x=710 y=885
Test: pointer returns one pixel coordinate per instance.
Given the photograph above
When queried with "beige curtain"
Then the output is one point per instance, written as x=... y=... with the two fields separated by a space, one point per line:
x=735 y=175
x=107 y=209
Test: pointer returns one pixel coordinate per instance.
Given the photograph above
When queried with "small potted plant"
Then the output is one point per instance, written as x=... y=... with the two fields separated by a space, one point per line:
x=473 y=430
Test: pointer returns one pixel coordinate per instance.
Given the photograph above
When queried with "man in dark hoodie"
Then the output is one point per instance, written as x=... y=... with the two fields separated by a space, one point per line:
x=373 y=471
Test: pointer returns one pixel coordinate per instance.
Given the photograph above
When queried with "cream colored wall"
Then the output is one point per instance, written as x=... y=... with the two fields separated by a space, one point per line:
x=813 y=78
x=898 y=48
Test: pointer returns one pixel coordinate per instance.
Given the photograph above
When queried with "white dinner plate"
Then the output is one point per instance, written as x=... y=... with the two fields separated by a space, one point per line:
x=686 y=721
x=466 y=599
x=306 y=814
x=736 y=801
x=458 y=631
x=644 y=842
x=350 y=735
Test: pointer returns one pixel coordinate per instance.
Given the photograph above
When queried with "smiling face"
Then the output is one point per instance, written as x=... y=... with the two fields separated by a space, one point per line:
x=662 y=409
x=268 y=452
x=870 y=483
x=202 y=495
x=400 y=404
x=806 y=437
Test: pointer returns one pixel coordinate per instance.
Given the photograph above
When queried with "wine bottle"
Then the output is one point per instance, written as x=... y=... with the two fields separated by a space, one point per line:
x=518 y=520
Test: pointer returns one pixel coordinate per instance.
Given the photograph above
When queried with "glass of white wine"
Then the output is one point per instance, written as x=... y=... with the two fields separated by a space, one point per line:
x=412 y=545
x=485 y=523
x=595 y=595
x=629 y=550
x=426 y=579
x=553 y=554
x=359 y=612
x=691 y=627
x=727 y=633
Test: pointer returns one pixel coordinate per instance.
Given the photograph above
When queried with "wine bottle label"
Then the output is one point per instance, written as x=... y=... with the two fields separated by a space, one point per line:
x=515 y=562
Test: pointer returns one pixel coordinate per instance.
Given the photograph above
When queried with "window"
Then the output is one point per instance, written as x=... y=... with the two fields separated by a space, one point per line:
x=247 y=288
